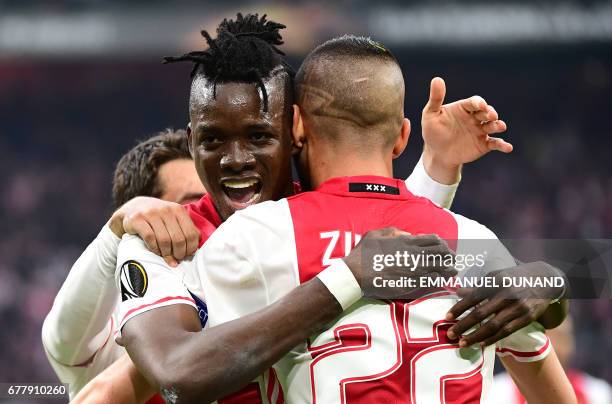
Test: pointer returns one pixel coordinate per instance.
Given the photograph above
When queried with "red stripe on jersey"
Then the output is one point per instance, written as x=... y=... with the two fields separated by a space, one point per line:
x=163 y=300
x=521 y=354
x=274 y=384
x=204 y=217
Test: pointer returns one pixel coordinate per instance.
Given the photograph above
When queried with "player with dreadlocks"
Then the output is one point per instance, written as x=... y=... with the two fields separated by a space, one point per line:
x=229 y=56
x=240 y=140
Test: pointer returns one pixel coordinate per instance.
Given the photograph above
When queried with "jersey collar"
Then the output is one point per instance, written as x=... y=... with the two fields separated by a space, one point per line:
x=368 y=186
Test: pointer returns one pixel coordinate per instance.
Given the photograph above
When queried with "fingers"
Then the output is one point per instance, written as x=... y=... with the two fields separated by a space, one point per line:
x=165 y=227
x=437 y=92
x=478 y=315
x=145 y=232
x=191 y=232
x=161 y=235
x=474 y=104
x=499 y=144
x=474 y=298
x=424 y=240
x=498 y=126
x=170 y=260
x=178 y=244
x=495 y=326
x=489 y=114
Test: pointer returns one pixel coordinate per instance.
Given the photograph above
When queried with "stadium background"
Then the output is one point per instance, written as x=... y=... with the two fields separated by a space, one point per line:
x=81 y=81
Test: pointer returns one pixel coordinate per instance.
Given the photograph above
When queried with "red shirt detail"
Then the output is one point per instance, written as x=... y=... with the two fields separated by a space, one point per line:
x=205 y=217
x=359 y=212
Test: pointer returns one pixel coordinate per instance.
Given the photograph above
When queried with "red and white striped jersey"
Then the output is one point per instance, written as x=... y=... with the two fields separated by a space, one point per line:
x=394 y=351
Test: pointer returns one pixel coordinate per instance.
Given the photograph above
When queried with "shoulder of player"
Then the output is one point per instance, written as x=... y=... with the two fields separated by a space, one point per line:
x=132 y=243
x=267 y=216
x=133 y=248
x=470 y=228
x=263 y=214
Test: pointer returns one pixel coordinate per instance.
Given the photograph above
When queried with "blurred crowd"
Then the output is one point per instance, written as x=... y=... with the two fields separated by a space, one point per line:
x=64 y=125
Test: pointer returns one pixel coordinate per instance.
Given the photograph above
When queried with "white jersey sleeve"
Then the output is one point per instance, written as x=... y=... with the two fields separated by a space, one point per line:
x=77 y=376
x=528 y=344
x=248 y=262
x=76 y=332
x=146 y=282
x=421 y=184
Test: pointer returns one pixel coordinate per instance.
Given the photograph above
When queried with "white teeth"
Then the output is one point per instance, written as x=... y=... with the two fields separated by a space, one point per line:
x=240 y=183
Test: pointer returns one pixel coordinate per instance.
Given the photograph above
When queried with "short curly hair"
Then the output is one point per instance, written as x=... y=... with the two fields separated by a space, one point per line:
x=136 y=172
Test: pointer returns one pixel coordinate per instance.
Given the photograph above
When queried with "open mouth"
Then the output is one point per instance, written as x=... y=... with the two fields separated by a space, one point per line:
x=242 y=192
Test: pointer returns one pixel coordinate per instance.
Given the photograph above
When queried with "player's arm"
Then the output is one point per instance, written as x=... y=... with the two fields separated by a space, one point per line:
x=219 y=352
x=200 y=366
x=542 y=381
x=453 y=134
x=79 y=321
x=203 y=366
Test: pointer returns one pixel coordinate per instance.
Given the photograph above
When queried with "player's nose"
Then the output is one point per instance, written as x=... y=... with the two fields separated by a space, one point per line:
x=238 y=158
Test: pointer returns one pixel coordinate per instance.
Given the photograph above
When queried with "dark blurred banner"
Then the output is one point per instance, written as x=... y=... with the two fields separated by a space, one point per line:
x=102 y=28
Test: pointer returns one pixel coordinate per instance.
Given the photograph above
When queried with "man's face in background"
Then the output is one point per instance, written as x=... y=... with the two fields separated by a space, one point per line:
x=179 y=181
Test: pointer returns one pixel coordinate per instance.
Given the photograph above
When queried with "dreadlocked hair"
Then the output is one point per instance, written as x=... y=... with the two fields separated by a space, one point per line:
x=244 y=50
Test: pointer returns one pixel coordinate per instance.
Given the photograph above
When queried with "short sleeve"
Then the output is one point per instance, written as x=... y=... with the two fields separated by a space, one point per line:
x=529 y=344
x=146 y=282
x=421 y=184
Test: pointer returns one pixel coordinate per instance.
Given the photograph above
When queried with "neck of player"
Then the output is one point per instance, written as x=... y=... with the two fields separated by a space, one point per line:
x=326 y=165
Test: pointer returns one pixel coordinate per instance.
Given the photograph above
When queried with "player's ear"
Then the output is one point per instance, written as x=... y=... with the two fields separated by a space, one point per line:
x=297 y=130
x=189 y=137
x=402 y=139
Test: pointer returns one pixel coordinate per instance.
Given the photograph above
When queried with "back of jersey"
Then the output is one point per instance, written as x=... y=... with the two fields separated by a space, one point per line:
x=378 y=351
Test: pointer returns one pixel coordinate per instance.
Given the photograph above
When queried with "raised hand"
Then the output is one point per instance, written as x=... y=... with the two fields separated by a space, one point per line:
x=459 y=132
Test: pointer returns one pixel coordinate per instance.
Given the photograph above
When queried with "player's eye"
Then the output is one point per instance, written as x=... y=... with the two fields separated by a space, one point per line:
x=260 y=136
x=211 y=140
